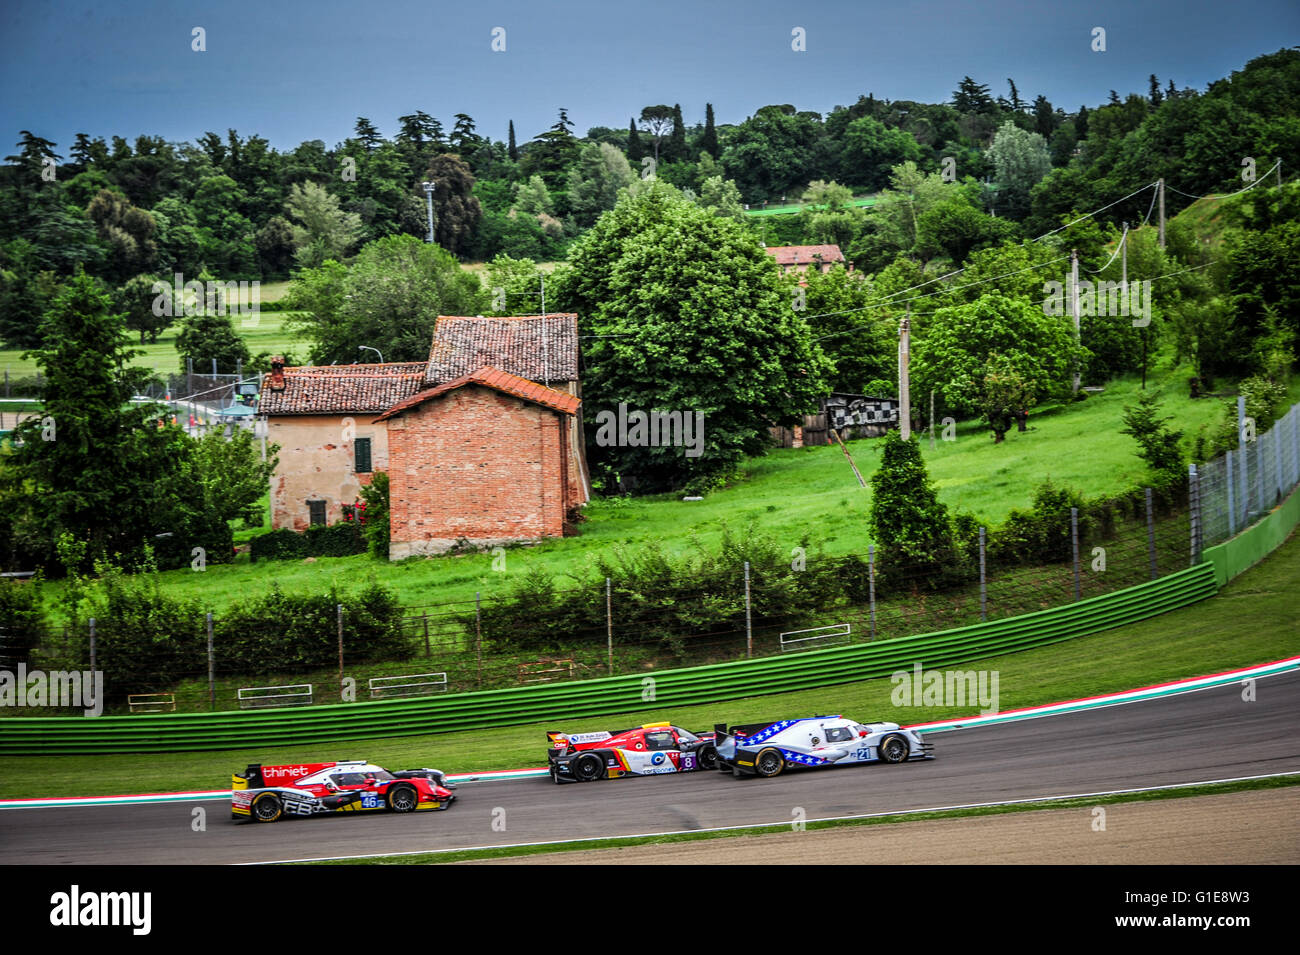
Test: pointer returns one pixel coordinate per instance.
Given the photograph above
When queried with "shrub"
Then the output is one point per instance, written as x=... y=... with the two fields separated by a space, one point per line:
x=20 y=619
x=376 y=527
x=1043 y=534
x=337 y=540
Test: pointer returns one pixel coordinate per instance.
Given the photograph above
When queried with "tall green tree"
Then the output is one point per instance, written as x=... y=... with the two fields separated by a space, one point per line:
x=322 y=230
x=389 y=299
x=687 y=314
x=456 y=209
x=709 y=142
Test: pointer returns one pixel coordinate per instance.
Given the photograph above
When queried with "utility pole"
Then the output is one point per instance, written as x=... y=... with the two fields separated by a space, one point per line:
x=1074 y=307
x=1161 y=187
x=428 y=195
x=904 y=395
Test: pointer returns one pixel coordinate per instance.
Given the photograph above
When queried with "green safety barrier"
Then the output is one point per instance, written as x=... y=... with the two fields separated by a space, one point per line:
x=179 y=732
x=1252 y=545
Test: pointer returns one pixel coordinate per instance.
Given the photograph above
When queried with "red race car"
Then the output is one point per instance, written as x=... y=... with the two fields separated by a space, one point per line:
x=267 y=793
x=649 y=750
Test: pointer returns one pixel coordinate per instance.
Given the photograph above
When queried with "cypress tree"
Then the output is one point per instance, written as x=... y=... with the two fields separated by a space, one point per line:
x=635 y=150
x=709 y=143
x=677 y=150
x=512 y=149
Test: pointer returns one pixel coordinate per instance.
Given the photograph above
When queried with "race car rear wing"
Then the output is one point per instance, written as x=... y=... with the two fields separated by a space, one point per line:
x=744 y=729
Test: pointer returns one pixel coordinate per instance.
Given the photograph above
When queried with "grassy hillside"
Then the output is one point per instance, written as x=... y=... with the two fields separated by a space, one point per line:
x=788 y=493
x=264 y=331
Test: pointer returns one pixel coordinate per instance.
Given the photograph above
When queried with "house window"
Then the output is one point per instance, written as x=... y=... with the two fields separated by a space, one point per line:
x=316 y=510
x=361 y=449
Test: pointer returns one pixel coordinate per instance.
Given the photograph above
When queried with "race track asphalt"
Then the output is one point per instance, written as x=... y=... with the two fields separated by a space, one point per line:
x=1205 y=735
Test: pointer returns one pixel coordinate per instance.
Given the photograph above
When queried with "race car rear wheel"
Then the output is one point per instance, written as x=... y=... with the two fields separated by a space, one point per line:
x=267 y=808
x=770 y=762
x=707 y=758
x=588 y=768
x=403 y=798
x=894 y=749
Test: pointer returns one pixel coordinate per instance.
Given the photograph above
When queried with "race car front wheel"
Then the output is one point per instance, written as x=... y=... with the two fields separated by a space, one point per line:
x=770 y=762
x=403 y=798
x=894 y=749
x=267 y=808
x=588 y=768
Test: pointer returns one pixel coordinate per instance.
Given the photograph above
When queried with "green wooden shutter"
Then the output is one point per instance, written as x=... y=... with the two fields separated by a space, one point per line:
x=361 y=447
x=316 y=509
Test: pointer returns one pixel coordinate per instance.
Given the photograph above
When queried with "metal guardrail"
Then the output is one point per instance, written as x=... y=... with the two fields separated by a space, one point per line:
x=838 y=633
x=254 y=696
x=380 y=689
x=151 y=702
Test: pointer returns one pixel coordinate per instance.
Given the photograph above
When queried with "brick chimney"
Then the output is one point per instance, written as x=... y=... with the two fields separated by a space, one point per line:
x=277 y=373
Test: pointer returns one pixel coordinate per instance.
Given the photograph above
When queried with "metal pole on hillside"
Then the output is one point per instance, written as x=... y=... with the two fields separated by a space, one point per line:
x=1151 y=537
x=1232 y=505
x=1162 y=213
x=1241 y=454
x=609 y=625
x=904 y=386
x=1074 y=308
x=871 y=584
x=428 y=196
x=340 y=618
x=749 y=629
x=212 y=668
x=1193 y=496
x=92 y=643
x=1074 y=546
x=984 y=592
x=478 y=634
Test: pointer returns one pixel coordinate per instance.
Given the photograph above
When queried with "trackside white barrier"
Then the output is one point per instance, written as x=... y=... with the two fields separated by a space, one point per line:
x=416 y=684
x=817 y=637
x=296 y=694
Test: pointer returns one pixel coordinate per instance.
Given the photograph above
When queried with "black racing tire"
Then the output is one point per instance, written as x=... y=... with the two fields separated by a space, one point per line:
x=588 y=768
x=769 y=762
x=267 y=807
x=403 y=798
x=707 y=758
x=894 y=749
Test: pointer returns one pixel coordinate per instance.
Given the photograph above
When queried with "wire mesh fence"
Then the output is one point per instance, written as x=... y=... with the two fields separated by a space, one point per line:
x=355 y=654
x=1237 y=488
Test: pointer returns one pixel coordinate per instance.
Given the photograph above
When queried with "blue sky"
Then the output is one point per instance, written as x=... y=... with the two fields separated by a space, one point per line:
x=297 y=70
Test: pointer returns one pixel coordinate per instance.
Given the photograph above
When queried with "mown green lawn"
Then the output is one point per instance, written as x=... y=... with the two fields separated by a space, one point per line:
x=1255 y=619
x=789 y=493
x=264 y=331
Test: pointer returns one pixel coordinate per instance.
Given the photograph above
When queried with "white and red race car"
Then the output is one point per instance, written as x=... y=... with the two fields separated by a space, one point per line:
x=650 y=750
x=267 y=793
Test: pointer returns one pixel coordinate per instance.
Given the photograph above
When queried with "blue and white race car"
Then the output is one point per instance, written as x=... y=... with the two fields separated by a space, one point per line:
x=768 y=749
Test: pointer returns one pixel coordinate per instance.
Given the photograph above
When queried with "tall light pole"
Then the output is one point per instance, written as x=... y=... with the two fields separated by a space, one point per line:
x=428 y=195
x=375 y=350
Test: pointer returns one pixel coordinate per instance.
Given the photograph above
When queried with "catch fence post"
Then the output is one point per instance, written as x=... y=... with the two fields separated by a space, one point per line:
x=749 y=629
x=212 y=667
x=1151 y=537
x=1074 y=546
x=984 y=593
x=609 y=626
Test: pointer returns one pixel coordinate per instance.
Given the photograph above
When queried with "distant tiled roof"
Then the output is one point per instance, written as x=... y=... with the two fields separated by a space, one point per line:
x=464 y=344
x=342 y=389
x=497 y=380
x=805 y=254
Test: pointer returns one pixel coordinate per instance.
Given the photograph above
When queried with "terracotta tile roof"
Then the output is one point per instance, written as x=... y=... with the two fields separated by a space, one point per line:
x=805 y=254
x=497 y=380
x=342 y=389
x=464 y=344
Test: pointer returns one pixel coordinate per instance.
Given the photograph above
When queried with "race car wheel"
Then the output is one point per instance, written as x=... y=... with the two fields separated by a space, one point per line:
x=588 y=768
x=403 y=798
x=707 y=758
x=894 y=749
x=770 y=762
x=267 y=808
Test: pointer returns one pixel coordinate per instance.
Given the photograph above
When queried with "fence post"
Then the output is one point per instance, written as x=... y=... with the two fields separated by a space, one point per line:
x=340 y=616
x=871 y=585
x=1194 y=500
x=1275 y=437
x=609 y=625
x=212 y=667
x=426 y=634
x=1074 y=546
x=92 y=644
x=984 y=592
x=1151 y=537
x=1295 y=443
x=1232 y=516
x=749 y=628
x=478 y=634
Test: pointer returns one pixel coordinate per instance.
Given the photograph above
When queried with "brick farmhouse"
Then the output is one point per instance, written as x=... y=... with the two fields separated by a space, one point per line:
x=483 y=442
